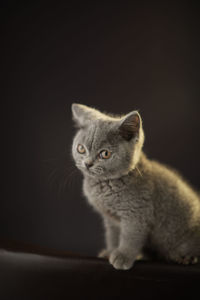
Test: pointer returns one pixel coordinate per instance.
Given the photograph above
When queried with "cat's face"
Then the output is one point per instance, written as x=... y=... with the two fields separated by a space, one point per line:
x=104 y=146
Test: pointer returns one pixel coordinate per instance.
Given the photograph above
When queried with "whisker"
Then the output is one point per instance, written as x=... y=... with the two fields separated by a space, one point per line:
x=58 y=172
x=138 y=171
x=64 y=179
x=69 y=178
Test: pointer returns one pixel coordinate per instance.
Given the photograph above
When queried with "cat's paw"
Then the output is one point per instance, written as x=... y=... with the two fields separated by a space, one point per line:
x=104 y=253
x=120 y=260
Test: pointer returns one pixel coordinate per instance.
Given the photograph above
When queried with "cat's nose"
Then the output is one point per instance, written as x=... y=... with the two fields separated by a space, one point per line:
x=88 y=164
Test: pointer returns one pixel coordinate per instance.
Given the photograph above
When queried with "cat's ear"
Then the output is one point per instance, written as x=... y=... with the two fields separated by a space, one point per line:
x=81 y=114
x=130 y=125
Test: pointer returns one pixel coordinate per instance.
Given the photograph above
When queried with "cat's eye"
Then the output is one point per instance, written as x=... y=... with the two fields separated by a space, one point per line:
x=81 y=149
x=105 y=154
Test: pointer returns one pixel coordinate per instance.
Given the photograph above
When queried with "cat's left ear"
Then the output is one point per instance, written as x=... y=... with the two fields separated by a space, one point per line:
x=130 y=125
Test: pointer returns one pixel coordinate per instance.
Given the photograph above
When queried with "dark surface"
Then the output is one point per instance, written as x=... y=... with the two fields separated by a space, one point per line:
x=115 y=56
x=29 y=272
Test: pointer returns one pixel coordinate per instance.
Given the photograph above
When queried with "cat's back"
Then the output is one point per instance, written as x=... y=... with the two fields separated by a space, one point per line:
x=169 y=180
x=173 y=196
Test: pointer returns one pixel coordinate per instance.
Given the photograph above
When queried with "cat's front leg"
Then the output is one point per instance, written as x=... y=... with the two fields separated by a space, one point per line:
x=131 y=242
x=112 y=232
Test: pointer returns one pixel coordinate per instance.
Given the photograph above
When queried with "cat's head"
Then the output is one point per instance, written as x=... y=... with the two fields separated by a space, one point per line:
x=106 y=146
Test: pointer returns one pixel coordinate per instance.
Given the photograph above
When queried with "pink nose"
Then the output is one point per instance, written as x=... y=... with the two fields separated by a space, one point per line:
x=88 y=165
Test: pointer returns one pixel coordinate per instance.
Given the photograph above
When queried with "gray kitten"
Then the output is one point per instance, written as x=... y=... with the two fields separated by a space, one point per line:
x=145 y=205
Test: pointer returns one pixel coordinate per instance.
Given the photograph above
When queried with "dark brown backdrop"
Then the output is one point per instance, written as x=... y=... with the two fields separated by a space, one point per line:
x=117 y=58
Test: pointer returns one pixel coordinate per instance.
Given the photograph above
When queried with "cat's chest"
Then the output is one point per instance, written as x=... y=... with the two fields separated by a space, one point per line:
x=106 y=196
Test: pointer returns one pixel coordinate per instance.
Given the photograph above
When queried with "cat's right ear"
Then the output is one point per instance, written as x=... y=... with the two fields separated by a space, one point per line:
x=81 y=114
x=78 y=115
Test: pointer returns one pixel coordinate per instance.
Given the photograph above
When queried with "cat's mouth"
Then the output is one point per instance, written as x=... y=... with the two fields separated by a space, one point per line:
x=90 y=171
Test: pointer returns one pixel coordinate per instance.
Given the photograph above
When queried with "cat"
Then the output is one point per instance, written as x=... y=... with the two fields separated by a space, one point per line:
x=145 y=206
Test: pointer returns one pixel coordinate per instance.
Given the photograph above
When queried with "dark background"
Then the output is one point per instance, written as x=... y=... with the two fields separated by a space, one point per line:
x=115 y=57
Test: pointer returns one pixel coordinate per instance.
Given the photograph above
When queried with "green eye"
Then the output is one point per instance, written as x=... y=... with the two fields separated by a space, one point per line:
x=105 y=154
x=81 y=149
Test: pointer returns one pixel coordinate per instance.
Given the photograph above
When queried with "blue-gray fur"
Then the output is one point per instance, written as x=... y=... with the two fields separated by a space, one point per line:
x=144 y=204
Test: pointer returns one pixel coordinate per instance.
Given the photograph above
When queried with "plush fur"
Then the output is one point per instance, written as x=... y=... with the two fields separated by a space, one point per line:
x=146 y=206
